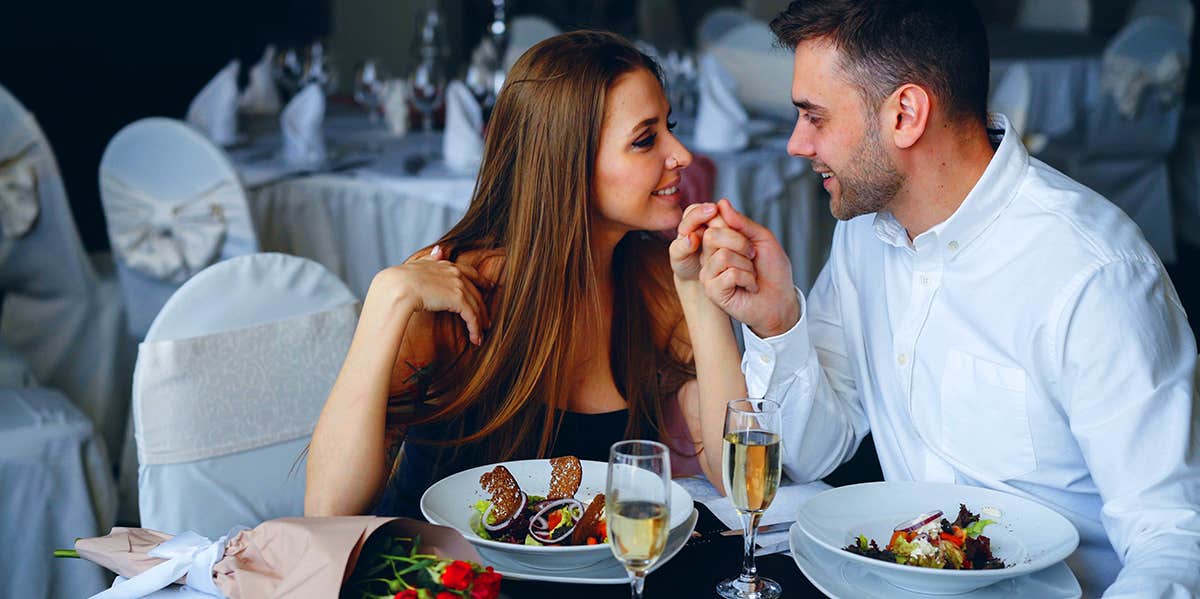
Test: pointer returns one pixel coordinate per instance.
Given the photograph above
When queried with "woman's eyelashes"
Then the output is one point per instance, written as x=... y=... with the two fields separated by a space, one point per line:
x=648 y=141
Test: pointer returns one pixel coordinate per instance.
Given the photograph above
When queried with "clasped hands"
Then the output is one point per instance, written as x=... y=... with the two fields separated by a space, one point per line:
x=740 y=265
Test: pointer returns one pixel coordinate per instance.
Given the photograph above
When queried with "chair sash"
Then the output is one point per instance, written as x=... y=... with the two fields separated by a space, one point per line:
x=167 y=240
x=19 y=204
x=229 y=392
x=1126 y=78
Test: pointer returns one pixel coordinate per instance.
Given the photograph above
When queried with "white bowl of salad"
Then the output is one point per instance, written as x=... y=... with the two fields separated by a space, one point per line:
x=937 y=539
x=540 y=534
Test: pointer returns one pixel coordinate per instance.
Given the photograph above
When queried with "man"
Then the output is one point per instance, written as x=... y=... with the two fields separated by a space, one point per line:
x=989 y=320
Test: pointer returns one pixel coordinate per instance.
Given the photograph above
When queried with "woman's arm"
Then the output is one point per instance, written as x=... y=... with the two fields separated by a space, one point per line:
x=348 y=459
x=718 y=365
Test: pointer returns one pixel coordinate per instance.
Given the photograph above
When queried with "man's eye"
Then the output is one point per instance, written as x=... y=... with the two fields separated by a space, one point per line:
x=645 y=142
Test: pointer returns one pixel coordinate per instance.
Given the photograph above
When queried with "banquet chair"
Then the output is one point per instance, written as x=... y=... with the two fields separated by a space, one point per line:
x=57 y=486
x=719 y=22
x=1180 y=12
x=227 y=389
x=61 y=308
x=523 y=32
x=1128 y=134
x=1055 y=15
x=174 y=205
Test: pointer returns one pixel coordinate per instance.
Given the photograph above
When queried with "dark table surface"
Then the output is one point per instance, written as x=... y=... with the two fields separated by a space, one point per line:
x=693 y=572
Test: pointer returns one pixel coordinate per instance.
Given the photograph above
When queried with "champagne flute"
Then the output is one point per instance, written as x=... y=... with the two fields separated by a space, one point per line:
x=750 y=468
x=638 y=506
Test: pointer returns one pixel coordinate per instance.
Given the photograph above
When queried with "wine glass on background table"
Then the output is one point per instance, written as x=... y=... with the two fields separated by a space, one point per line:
x=638 y=506
x=750 y=469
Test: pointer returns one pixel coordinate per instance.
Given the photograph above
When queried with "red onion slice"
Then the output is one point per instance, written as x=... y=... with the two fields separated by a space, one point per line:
x=502 y=525
x=919 y=521
x=539 y=526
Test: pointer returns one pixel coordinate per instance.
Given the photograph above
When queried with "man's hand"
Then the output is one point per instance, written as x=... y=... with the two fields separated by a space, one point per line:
x=745 y=271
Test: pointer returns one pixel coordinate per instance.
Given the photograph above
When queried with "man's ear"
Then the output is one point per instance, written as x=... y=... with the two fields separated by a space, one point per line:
x=909 y=108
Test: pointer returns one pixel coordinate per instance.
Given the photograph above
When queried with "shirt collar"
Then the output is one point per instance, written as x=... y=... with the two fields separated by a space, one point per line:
x=991 y=194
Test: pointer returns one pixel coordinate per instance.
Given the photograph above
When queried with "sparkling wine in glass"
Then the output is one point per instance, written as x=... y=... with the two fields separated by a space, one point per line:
x=750 y=469
x=638 y=506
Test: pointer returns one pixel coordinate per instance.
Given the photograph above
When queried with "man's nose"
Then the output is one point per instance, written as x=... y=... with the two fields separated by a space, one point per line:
x=800 y=144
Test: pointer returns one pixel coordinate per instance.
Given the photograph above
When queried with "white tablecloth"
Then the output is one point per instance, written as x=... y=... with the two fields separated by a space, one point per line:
x=372 y=211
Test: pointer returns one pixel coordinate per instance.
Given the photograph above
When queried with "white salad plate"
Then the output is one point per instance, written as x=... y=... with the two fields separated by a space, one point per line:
x=1028 y=536
x=606 y=571
x=845 y=579
x=451 y=502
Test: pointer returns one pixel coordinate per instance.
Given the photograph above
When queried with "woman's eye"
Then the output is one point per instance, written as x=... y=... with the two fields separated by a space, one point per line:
x=645 y=142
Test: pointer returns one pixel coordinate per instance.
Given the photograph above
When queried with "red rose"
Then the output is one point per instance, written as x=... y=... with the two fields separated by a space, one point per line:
x=458 y=576
x=408 y=594
x=487 y=585
x=445 y=595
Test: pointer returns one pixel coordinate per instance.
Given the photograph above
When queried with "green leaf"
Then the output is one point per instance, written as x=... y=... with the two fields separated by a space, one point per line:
x=863 y=543
x=976 y=528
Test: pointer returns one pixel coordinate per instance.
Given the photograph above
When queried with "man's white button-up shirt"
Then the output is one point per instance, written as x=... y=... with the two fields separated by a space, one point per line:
x=1031 y=343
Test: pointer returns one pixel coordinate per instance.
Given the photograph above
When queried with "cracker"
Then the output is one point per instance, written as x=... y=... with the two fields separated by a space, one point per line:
x=586 y=527
x=506 y=493
x=565 y=475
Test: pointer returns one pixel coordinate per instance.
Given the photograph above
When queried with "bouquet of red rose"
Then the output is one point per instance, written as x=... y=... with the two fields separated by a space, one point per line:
x=396 y=570
x=354 y=557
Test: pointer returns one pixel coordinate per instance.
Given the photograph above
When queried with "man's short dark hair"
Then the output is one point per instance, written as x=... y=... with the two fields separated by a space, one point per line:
x=940 y=45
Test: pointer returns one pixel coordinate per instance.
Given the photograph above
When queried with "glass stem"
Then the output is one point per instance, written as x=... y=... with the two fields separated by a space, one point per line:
x=749 y=570
x=636 y=584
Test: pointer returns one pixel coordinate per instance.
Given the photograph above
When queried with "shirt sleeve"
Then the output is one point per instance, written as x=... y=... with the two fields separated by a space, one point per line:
x=807 y=370
x=1128 y=363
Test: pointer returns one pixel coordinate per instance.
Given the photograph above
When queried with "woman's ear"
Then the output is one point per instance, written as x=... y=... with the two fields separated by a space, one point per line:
x=909 y=108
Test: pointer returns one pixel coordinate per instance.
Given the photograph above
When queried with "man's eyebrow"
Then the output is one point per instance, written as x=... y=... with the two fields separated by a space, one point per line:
x=809 y=106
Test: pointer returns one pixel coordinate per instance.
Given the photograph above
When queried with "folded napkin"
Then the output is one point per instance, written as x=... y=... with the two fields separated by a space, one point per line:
x=787 y=502
x=720 y=119
x=462 y=142
x=303 y=139
x=214 y=109
x=260 y=95
x=19 y=205
x=395 y=106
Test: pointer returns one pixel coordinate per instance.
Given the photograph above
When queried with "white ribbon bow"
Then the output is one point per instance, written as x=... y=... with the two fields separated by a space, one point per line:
x=187 y=553
x=19 y=206
x=1126 y=79
x=170 y=241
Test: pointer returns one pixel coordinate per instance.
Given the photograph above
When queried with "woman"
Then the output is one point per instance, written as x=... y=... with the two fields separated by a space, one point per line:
x=545 y=322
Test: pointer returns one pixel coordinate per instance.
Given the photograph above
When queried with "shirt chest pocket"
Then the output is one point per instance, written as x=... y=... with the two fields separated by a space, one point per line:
x=984 y=420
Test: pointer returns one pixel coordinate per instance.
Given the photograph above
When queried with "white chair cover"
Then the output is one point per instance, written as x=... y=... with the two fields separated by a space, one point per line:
x=1012 y=97
x=1124 y=157
x=763 y=71
x=717 y=23
x=19 y=204
x=1180 y=12
x=462 y=138
x=523 y=33
x=174 y=205
x=60 y=313
x=260 y=95
x=1055 y=15
x=57 y=485
x=228 y=387
x=720 y=118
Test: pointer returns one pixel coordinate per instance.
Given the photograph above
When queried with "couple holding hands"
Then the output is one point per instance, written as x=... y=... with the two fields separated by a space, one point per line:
x=989 y=320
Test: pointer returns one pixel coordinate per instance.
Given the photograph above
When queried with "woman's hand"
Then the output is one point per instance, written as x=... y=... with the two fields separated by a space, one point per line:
x=433 y=284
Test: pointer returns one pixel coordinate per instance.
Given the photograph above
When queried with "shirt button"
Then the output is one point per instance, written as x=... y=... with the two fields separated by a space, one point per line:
x=953 y=245
x=925 y=280
x=764 y=358
x=902 y=359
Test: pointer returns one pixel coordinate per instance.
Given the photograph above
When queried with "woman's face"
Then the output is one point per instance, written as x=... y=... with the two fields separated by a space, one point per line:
x=639 y=163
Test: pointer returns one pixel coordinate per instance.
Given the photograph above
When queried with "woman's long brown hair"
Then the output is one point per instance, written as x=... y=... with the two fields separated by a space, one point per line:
x=532 y=201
